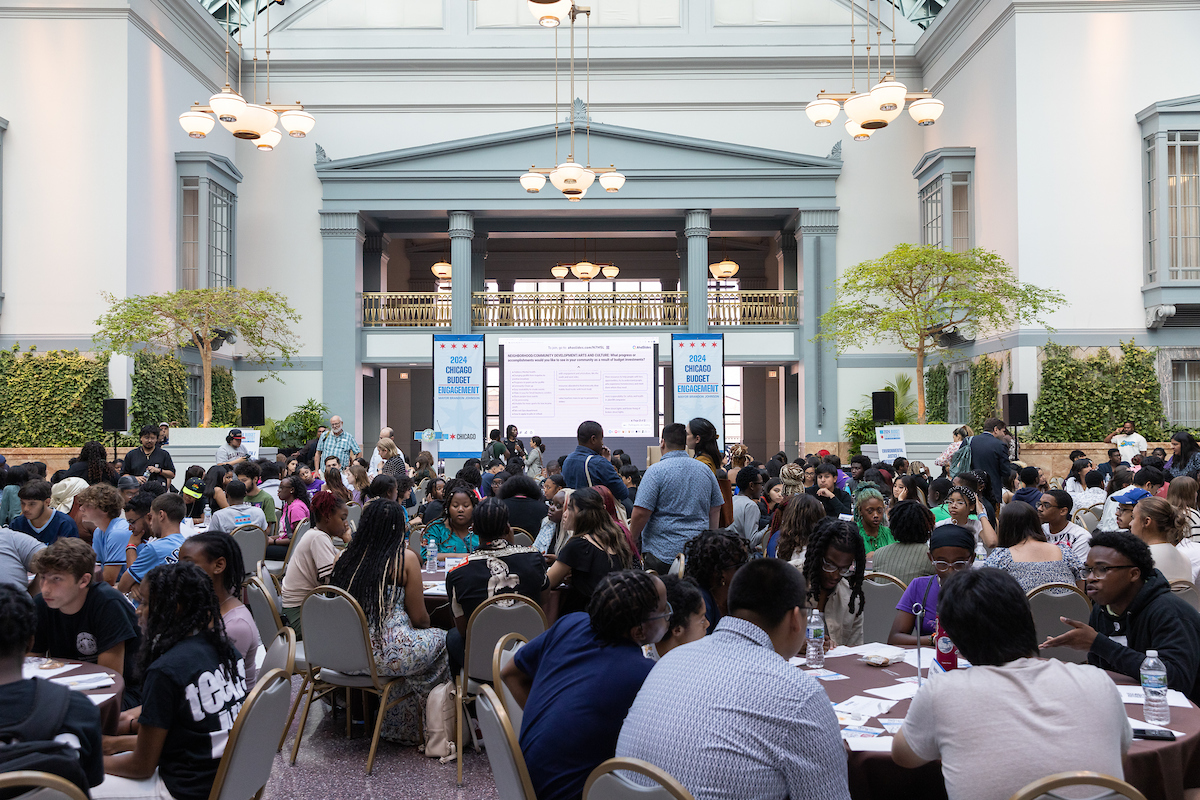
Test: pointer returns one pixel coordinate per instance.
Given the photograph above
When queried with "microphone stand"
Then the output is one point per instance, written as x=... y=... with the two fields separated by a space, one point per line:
x=919 y=611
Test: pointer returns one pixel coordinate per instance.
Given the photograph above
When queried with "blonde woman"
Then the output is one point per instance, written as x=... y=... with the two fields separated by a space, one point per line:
x=393 y=462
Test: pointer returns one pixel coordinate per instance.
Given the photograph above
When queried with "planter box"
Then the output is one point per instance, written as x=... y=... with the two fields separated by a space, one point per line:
x=921 y=443
x=1053 y=456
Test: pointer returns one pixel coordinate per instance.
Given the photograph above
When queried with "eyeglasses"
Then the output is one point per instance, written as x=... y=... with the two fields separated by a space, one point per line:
x=665 y=615
x=829 y=566
x=1044 y=504
x=1100 y=570
x=943 y=566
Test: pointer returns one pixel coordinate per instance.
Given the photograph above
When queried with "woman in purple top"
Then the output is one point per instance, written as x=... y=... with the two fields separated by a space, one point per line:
x=951 y=548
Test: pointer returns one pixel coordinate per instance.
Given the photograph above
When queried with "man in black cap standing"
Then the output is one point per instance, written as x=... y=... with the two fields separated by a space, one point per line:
x=232 y=452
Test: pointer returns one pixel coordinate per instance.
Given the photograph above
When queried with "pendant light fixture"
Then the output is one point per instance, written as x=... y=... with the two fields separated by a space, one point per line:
x=570 y=177
x=884 y=102
x=724 y=269
x=247 y=120
x=442 y=267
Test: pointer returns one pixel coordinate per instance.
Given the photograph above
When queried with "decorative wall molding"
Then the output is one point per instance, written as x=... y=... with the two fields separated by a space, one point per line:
x=818 y=222
x=335 y=224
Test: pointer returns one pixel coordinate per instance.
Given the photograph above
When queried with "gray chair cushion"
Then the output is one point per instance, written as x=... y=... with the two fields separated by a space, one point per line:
x=336 y=678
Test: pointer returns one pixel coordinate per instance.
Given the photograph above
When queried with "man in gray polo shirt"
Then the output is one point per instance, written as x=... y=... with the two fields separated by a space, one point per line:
x=16 y=557
x=677 y=499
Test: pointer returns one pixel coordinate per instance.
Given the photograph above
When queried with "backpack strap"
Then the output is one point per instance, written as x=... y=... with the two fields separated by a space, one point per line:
x=586 y=471
x=45 y=720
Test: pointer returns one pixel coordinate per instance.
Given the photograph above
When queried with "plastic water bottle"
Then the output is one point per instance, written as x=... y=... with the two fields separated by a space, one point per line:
x=1154 y=686
x=814 y=655
x=207 y=514
x=981 y=554
x=431 y=555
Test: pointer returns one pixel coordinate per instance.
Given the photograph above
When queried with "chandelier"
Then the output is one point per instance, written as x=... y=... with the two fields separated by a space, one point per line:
x=245 y=120
x=441 y=269
x=880 y=105
x=584 y=270
x=569 y=177
x=723 y=269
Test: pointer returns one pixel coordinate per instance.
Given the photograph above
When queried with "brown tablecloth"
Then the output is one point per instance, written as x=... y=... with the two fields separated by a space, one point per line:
x=438 y=604
x=1157 y=769
x=110 y=708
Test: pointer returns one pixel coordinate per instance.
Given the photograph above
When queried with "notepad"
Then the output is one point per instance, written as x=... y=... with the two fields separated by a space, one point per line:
x=871 y=706
x=870 y=744
x=1134 y=694
x=32 y=668
x=85 y=682
x=897 y=691
x=826 y=674
x=860 y=731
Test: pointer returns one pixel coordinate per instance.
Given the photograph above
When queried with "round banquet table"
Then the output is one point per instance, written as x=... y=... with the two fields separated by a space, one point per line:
x=110 y=708
x=438 y=603
x=1157 y=769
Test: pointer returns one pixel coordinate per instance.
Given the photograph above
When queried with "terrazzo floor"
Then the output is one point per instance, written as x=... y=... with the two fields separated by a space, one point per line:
x=331 y=766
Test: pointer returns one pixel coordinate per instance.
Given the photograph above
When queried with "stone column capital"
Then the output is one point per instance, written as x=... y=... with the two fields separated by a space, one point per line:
x=462 y=225
x=697 y=223
x=818 y=222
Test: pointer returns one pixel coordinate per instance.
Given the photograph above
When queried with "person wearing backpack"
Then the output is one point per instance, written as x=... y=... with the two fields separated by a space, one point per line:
x=43 y=726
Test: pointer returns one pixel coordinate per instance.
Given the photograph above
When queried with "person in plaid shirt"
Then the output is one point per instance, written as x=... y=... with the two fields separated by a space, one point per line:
x=338 y=443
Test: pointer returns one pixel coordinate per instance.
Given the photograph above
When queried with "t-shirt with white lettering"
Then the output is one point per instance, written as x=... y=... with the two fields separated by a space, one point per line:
x=227 y=520
x=1035 y=707
x=1130 y=445
x=1073 y=536
x=188 y=694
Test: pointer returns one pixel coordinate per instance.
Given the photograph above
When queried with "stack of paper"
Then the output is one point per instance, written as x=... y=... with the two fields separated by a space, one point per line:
x=86 y=681
x=897 y=691
x=32 y=668
x=1134 y=694
x=826 y=675
x=869 y=649
x=870 y=706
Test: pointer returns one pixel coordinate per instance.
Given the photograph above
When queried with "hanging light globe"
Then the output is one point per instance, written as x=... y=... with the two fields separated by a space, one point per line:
x=197 y=123
x=823 y=111
x=560 y=271
x=442 y=270
x=723 y=269
x=550 y=13
x=926 y=110
x=859 y=133
x=569 y=175
x=612 y=181
x=297 y=123
x=533 y=182
x=889 y=95
x=269 y=139
x=858 y=107
x=610 y=271
x=227 y=105
x=254 y=122
x=585 y=270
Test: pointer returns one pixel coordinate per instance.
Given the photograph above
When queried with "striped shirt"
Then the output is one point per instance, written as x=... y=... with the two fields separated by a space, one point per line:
x=903 y=561
x=342 y=446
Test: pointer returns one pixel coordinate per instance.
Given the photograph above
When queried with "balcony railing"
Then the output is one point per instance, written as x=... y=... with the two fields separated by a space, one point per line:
x=577 y=309
x=582 y=309
x=406 y=309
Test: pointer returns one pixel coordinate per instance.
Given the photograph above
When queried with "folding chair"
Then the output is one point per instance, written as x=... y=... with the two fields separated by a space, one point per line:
x=605 y=784
x=280 y=567
x=42 y=785
x=506 y=648
x=503 y=749
x=1045 y=787
x=521 y=538
x=1187 y=591
x=246 y=764
x=252 y=541
x=881 y=593
x=1068 y=602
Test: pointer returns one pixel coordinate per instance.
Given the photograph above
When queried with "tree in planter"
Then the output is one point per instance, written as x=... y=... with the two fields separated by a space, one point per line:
x=914 y=295
x=204 y=319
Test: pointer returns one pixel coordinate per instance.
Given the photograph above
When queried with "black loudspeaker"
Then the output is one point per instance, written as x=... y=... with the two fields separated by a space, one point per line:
x=253 y=413
x=883 y=406
x=114 y=414
x=1016 y=409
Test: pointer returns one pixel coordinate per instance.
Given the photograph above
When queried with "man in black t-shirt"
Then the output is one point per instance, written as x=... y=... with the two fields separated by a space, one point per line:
x=149 y=460
x=20 y=699
x=82 y=620
x=497 y=567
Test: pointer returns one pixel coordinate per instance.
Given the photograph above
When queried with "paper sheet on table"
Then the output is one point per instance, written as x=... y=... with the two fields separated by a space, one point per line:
x=1141 y=723
x=851 y=719
x=871 y=706
x=870 y=744
x=826 y=675
x=82 y=683
x=897 y=691
x=435 y=587
x=891 y=725
x=797 y=661
x=29 y=670
x=860 y=731
x=101 y=698
x=1134 y=694
x=870 y=649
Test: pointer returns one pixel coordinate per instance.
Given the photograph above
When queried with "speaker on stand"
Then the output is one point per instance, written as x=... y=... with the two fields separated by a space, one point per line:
x=253 y=412
x=883 y=406
x=114 y=418
x=1016 y=413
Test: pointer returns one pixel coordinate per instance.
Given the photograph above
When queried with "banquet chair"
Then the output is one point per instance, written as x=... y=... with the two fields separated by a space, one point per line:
x=521 y=537
x=1047 y=608
x=503 y=749
x=245 y=766
x=270 y=583
x=342 y=658
x=252 y=541
x=354 y=513
x=881 y=593
x=1045 y=787
x=491 y=620
x=263 y=609
x=606 y=784
x=1186 y=590
x=280 y=567
x=1089 y=517
x=34 y=785
x=281 y=653
x=677 y=566
x=506 y=648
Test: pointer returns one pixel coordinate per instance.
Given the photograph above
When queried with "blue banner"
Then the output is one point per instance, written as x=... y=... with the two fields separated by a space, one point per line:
x=698 y=372
x=458 y=395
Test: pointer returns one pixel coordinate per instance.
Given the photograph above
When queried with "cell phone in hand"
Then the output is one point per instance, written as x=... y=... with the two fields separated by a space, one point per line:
x=1153 y=734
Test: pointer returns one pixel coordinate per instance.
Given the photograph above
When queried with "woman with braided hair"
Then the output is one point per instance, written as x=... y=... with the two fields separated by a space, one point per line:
x=968 y=511
x=453 y=531
x=314 y=555
x=870 y=513
x=194 y=685
x=791 y=478
x=834 y=564
x=596 y=548
x=93 y=466
x=711 y=559
x=384 y=576
x=577 y=681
